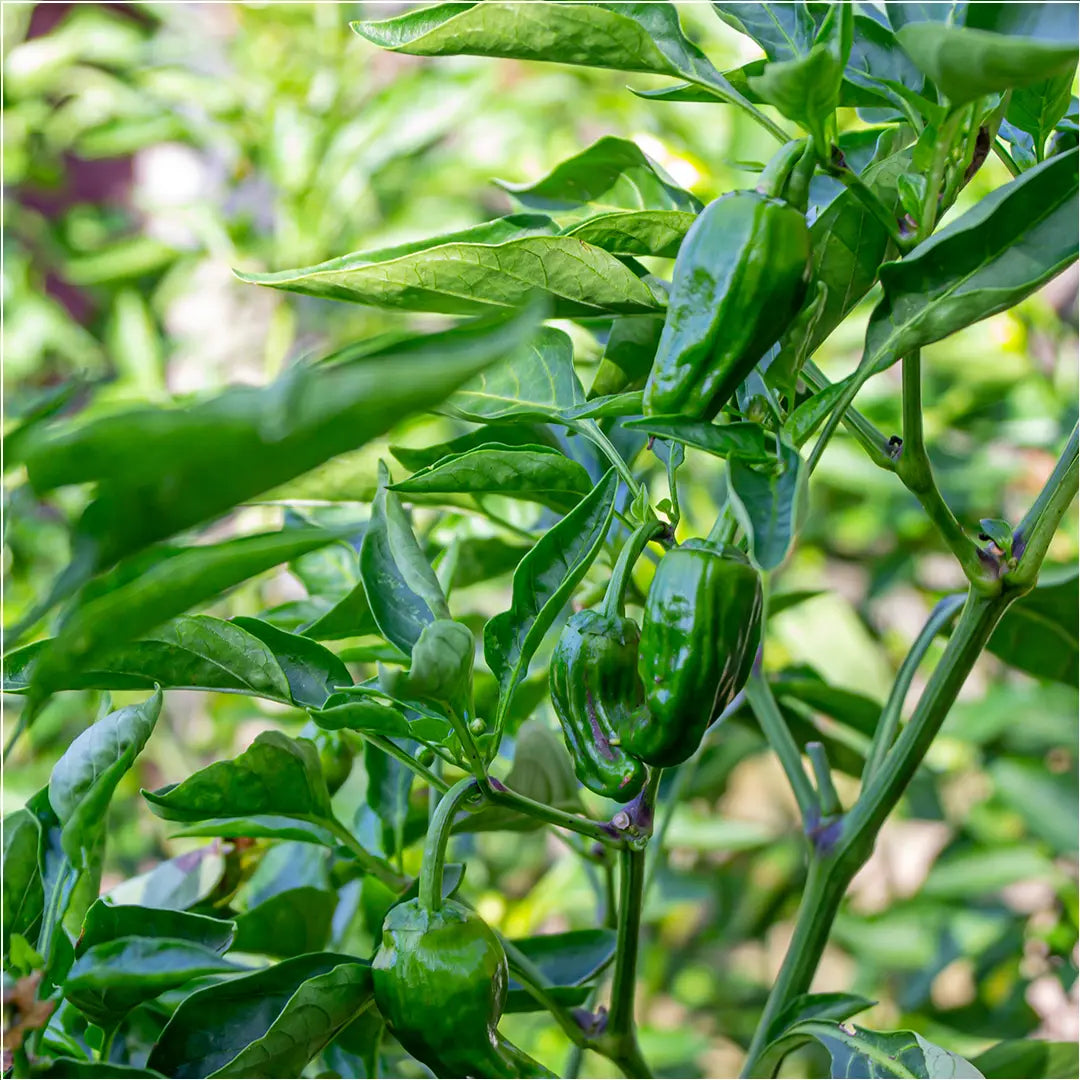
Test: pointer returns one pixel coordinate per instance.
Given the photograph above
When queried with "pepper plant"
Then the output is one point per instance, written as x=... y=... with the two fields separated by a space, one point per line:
x=191 y=970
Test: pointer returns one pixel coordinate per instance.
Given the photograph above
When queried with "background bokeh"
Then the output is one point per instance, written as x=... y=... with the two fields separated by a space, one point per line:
x=149 y=149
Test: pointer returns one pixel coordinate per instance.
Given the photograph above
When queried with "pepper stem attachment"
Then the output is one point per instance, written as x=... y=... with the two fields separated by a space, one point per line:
x=774 y=177
x=624 y=565
x=431 y=869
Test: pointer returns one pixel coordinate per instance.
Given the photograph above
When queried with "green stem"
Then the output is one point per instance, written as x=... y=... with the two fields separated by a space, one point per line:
x=624 y=565
x=372 y=864
x=776 y=732
x=928 y=217
x=863 y=373
x=857 y=186
x=913 y=468
x=622 y=1033
x=1006 y=158
x=889 y=723
x=597 y=830
x=828 y=799
x=469 y=748
x=1032 y=538
x=866 y=434
x=733 y=97
x=438 y=835
x=388 y=746
x=591 y=430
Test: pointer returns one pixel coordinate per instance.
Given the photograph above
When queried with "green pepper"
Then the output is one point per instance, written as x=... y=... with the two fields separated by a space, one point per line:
x=440 y=980
x=699 y=636
x=739 y=280
x=597 y=693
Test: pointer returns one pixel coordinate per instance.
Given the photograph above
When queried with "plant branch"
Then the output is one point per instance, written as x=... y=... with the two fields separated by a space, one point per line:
x=776 y=732
x=388 y=746
x=889 y=723
x=371 y=863
x=438 y=834
x=913 y=468
x=1034 y=533
x=866 y=433
x=591 y=430
x=597 y=830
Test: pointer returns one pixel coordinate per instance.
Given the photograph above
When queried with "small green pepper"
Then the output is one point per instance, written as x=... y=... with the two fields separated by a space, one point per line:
x=699 y=636
x=440 y=981
x=597 y=694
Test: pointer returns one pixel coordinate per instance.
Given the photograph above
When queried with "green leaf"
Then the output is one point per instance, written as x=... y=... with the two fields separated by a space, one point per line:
x=1028 y=1057
x=785 y=31
x=110 y=979
x=856 y=1051
x=1040 y=632
x=176 y=884
x=612 y=174
x=146 y=590
x=1046 y=801
x=420 y=457
x=900 y=14
x=534 y=473
x=828 y=1006
x=811 y=414
x=568 y=960
x=24 y=896
x=1011 y=242
x=275 y=776
x=313 y=671
x=196 y=652
x=963 y=874
x=723 y=440
x=626 y=37
x=367 y=710
x=769 y=501
x=402 y=589
x=805 y=90
x=636 y=232
x=289 y=923
x=168 y=461
x=83 y=780
x=967 y=63
x=226 y=1025
x=1036 y=109
x=66 y=1068
x=543 y=582
x=539 y=384
x=628 y=355
x=349 y=617
x=493 y=266
x=106 y=921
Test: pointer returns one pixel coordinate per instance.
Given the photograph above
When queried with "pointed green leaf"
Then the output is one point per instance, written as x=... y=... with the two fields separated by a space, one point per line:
x=106 y=921
x=289 y=923
x=740 y=438
x=636 y=232
x=769 y=502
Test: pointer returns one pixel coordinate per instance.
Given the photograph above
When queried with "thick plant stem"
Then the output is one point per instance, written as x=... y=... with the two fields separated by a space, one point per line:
x=597 y=830
x=624 y=565
x=621 y=1035
x=592 y=431
x=431 y=869
x=839 y=852
x=913 y=468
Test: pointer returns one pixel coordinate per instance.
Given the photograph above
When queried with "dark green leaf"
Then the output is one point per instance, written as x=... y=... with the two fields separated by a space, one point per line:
x=195 y=652
x=1047 y=22
x=313 y=671
x=389 y=783
x=420 y=457
x=289 y=923
x=636 y=232
x=570 y=959
x=24 y=897
x=543 y=582
x=83 y=780
x=110 y=979
x=1040 y=632
x=66 y=1068
x=402 y=590
x=830 y=1006
x=967 y=63
x=534 y=473
x=1011 y=242
x=106 y=921
x=785 y=31
x=275 y=776
x=805 y=90
x=1036 y=109
x=612 y=174
x=1028 y=1057
x=215 y=1026
x=811 y=414
x=742 y=438
x=769 y=501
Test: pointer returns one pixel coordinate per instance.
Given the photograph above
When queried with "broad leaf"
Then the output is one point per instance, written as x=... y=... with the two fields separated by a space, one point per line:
x=402 y=590
x=214 y=1027
x=612 y=174
x=769 y=501
x=24 y=897
x=106 y=922
x=84 y=779
x=724 y=440
x=1011 y=242
x=636 y=232
x=289 y=923
x=543 y=582
x=966 y=63
x=473 y=273
x=1029 y=1057
x=176 y=884
x=421 y=457
x=110 y=979
x=824 y=1006
x=370 y=711
x=1036 y=109
x=168 y=461
x=196 y=652
x=313 y=671
x=389 y=783
x=1040 y=632
x=785 y=31
x=568 y=960
x=534 y=473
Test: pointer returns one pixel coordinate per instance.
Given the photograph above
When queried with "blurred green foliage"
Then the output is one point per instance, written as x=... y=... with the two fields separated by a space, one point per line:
x=150 y=148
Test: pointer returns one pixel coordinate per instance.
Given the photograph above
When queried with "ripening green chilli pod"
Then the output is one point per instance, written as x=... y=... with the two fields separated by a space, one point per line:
x=471 y=638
